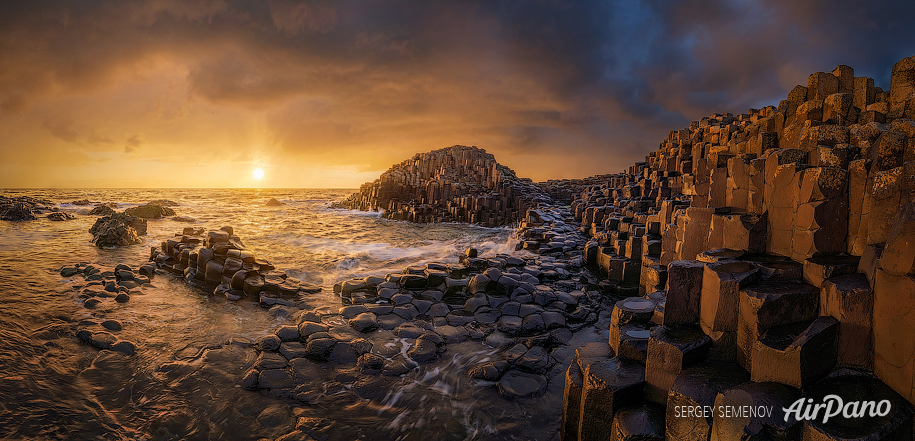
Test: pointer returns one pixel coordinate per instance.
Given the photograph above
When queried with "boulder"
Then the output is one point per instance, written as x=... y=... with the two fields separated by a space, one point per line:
x=115 y=230
x=18 y=212
x=101 y=210
x=150 y=211
x=60 y=216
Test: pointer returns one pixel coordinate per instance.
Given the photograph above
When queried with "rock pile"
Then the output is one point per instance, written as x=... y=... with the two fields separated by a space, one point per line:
x=22 y=208
x=103 y=210
x=454 y=184
x=117 y=229
x=218 y=263
x=60 y=216
x=774 y=254
x=151 y=210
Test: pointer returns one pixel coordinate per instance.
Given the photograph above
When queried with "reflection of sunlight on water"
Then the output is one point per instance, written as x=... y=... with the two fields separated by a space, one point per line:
x=313 y=243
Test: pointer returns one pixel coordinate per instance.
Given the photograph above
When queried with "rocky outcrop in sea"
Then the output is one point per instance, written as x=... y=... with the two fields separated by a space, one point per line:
x=217 y=262
x=117 y=229
x=454 y=184
x=22 y=208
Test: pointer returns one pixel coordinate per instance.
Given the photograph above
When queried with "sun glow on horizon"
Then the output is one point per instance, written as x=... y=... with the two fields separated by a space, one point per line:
x=257 y=174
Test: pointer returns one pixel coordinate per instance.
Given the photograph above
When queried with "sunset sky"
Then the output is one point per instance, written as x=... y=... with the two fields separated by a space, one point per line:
x=185 y=93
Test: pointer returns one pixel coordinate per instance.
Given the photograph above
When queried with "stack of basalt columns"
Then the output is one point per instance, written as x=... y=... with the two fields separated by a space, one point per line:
x=774 y=253
x=217 y=262
x=454 y=184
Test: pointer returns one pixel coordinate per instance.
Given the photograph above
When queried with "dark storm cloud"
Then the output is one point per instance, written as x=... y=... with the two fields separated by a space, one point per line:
x=552 y=84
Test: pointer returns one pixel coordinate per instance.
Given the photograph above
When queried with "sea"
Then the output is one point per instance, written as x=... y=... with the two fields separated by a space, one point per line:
x=183 y=381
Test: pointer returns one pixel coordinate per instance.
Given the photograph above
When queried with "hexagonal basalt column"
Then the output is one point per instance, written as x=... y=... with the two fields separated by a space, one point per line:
x=670 y=349
x=639 y=423
x=607 y=385
x=796 y=355
x=684 y=290
x=721 y=284
x=629 y=325
x=768 y=305
x=690 y=410
x=849 y=300
x=866 y=390
x=734 y=421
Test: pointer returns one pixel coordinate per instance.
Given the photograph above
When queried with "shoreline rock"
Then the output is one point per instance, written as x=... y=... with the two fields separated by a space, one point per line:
x=117 y=229
x=22 y=208
x=151 y=210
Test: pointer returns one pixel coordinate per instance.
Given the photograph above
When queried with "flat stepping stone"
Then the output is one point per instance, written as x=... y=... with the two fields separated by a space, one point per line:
x=292 y=349
x=423 y=351
x=390 y=321
x=408 y=330
x=453 y=334
x=517 y=384
x=364 y=322
x=642 y=423
x=270 y=360
x=488 y=371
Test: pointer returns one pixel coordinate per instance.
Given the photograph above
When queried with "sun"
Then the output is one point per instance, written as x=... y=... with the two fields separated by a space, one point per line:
x=257 y=174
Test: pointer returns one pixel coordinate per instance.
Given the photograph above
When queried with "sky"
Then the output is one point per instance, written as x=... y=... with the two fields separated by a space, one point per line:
x=329 y=94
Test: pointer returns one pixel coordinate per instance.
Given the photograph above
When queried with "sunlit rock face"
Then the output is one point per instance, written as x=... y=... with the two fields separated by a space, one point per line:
x=117 y=229
x=774 y=247
x=454 y=184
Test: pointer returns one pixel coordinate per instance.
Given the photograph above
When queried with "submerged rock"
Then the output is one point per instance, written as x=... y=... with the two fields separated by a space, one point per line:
x=151 y=210
x=124 y=347
x=274 y=203
x=101 y=210
x=18 y=212
x=61 y=216
x=517 y=384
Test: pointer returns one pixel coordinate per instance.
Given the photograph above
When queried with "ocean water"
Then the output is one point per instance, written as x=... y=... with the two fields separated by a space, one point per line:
x=183 y=383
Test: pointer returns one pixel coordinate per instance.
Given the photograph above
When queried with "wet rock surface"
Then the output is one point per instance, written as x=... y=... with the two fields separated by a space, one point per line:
x=22 y=208
x=117 y=230
x=151 y=210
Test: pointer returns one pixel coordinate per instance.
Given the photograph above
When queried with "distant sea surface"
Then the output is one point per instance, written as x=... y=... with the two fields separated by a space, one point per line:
x=53 y=387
